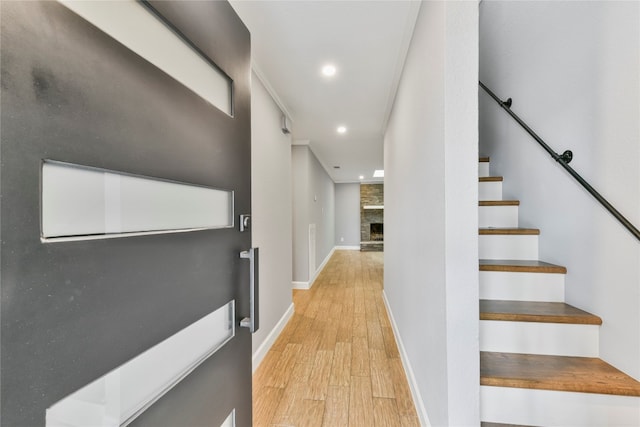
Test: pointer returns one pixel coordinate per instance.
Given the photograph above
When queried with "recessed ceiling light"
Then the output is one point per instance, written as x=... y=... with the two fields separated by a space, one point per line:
x=341 y=129
x=378 y=173
x=329 y=70
x=361 y=176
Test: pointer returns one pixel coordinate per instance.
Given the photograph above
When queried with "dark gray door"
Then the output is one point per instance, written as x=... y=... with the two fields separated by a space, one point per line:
x=73 y=311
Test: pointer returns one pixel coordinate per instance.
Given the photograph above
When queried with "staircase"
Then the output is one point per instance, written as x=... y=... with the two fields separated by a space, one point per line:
x=539 y=362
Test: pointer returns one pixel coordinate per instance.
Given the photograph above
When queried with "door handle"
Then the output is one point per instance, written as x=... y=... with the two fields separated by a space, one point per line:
x=253 y=321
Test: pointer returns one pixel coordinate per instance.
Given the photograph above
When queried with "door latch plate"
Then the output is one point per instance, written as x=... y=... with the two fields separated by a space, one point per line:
x=245 y=222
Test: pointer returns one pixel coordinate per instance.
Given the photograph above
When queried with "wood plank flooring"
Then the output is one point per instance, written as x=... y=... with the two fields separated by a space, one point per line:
x=336 y=363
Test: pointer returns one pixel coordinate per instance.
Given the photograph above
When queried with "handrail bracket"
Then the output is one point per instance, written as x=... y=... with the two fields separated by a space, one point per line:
x=564 y=159
x=567 y=156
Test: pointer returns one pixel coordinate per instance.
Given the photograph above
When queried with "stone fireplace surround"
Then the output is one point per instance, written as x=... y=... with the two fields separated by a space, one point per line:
x=371 y=212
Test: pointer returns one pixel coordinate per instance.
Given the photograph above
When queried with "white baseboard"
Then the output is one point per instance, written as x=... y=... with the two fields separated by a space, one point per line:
x=300 y=285
x=264 y=348
x=347 y=248
x=413 y=385
x=309 y=284
x=319 y=269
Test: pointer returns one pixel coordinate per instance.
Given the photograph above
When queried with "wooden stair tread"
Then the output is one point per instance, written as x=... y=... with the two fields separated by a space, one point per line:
x=499 y=203
x=529 y=311
x=521 y=266
x=491 y=179
x=488 y=424
x=559 y=373
x=509 y=231
x=483 y=159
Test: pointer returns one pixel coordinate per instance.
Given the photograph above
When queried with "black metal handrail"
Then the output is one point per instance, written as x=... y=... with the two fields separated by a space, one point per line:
x=564 y=160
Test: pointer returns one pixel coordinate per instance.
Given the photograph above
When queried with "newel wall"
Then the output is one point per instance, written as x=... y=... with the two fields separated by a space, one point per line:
x=431 y=214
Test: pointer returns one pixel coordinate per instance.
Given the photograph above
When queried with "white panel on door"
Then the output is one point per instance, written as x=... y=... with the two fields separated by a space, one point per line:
x=231 y=420
x=120 y=396
x=144 y=33
x=80 y=202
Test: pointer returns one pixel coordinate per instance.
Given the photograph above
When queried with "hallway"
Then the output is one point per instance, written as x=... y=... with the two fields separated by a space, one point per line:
x=336 y=363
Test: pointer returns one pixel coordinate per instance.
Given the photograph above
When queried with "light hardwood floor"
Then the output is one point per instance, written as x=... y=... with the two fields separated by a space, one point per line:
x=336 y=363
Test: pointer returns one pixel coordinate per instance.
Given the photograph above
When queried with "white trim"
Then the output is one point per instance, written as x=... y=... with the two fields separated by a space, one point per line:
x=264 y=348
x=267 y=85
x=300 y=285
x=307 y=142
x=309 y=284
x=361 y=181
x=347 y=248
x=415 y=391
x=319 y=269
x=409 y=26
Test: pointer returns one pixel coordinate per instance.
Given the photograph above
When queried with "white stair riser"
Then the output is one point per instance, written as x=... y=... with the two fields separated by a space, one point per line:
x=490 y=190
x=497 y=216
x=508 y=247
x=483 y=169
x=515 y=286
x=557 y=339
x=557 y=408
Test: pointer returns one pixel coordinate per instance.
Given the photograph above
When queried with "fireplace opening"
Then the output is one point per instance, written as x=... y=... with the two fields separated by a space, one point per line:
x=376 y=231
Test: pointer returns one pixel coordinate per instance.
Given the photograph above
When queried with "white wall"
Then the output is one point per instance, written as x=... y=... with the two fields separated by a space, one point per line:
x=347 y=215
x=300 y=191
x=313 y=203
x=573 y=70
x=431 y=212
x=322 y=210
x=271 y=209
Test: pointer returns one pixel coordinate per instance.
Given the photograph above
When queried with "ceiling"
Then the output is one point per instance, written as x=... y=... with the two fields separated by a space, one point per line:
x=367 y=42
